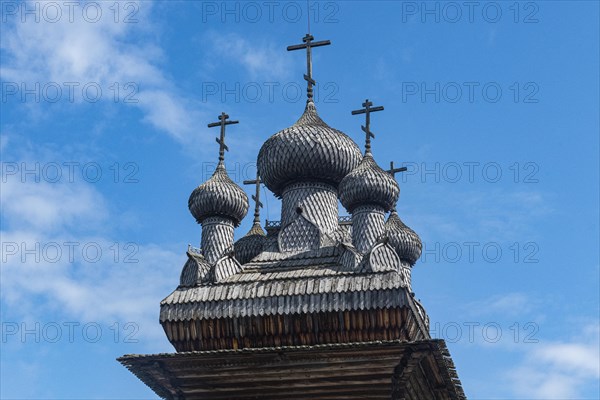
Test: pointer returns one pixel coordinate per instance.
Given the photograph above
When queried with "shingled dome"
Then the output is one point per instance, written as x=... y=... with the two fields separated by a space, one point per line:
x=250 y=245
x=308 y=150
x=218 y=196
x=368 y=184
x=404 y=240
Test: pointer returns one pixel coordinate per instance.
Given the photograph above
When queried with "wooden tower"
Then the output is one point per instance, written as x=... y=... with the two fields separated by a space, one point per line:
x=316 y=307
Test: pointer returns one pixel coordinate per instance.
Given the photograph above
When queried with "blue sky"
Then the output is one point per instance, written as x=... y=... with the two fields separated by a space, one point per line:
x=493 y=107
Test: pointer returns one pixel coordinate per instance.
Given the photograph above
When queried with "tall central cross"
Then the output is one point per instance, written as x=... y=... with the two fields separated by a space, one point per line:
x=256 y=197
x=221 y=139
x=308 y=45
x=367 y=110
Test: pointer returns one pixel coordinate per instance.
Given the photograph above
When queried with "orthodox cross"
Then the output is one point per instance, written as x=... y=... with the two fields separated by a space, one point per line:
x=367 y=110
x=308 y=45
x=256 y=197
x=221 y=140
x=392 y=171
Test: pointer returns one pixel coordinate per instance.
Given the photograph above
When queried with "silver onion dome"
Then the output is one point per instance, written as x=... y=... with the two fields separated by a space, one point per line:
x=250 y=245
x=404 y=240
x=219 y=196
x=309 y=150
x=368 y=184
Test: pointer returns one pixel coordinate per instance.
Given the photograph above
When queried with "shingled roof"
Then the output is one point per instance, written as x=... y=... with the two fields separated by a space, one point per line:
x=308 y=282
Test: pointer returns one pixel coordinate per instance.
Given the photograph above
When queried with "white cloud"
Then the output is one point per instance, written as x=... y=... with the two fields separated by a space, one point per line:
x=168 y=113
x=509 y=304
x=558 y=370
x=260 y=60
x=106 y=291
x=540 y=368
x=574 y=357
x=103 y=52
x=45 y=206
x=51 y=269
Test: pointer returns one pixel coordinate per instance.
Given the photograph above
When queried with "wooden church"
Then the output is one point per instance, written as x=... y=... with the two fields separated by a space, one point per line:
x=313 y=306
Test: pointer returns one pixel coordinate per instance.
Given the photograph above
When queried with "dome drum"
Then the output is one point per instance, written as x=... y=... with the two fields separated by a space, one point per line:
x=368 y=223
x=317 y=202
x=217 y=238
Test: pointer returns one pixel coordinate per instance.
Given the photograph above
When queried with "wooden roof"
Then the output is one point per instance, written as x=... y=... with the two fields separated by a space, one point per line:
x=370 y=370
x=308 y=298
x=314 y=281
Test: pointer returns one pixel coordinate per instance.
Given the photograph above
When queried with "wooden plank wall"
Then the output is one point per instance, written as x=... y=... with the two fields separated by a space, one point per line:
x=293 y=329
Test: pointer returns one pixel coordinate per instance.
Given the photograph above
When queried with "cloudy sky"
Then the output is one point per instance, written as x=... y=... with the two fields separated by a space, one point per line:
x=492 y=106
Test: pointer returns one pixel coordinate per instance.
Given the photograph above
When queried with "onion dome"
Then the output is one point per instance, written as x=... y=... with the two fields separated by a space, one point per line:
x=219 y=196
x=368 y=184
x=404 y=240
x=309 y=150
x=250 y=245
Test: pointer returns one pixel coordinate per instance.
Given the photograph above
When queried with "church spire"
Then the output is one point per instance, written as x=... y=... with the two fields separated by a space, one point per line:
x=367 y=110
x=308 y=45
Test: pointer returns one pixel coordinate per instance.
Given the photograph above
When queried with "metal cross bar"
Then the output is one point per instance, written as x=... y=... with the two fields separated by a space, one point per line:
x=392 y=171
x=367 y=110
x=308 y=45
x=256 y=197
x=221 y=139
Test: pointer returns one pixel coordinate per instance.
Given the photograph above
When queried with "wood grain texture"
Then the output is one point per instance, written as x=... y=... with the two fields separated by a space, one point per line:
x=420 y=370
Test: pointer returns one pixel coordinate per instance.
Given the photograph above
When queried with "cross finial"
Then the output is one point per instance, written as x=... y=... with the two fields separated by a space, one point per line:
x=367 y=110
x=308 y=45
x=256 y=197
x=392 y=171
x=221 y=139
